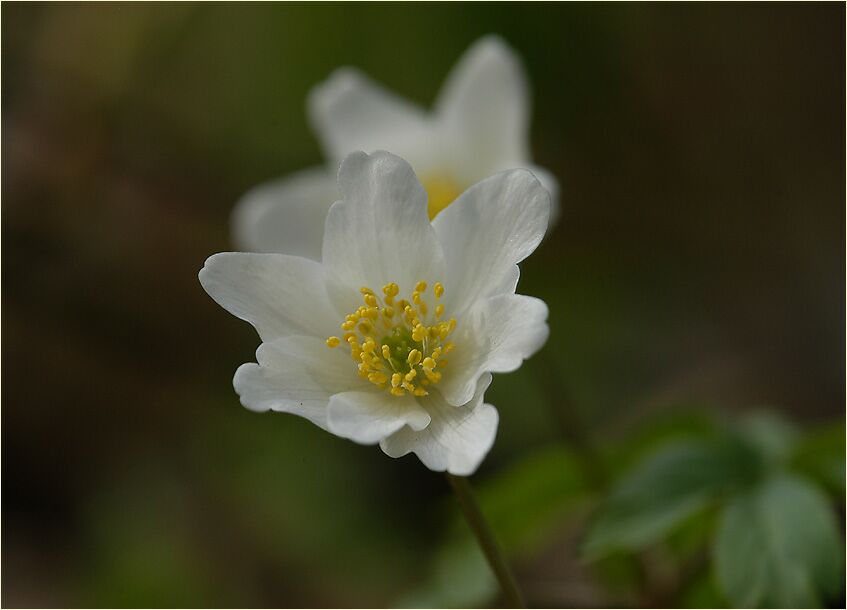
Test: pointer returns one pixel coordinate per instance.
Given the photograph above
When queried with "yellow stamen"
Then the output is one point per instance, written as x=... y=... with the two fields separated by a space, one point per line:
x=397 y=353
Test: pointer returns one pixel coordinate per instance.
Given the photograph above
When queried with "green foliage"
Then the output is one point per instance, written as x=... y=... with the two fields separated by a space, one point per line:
x=669 y=486
x=820 y=455
x=777 y=542
x=777 y=546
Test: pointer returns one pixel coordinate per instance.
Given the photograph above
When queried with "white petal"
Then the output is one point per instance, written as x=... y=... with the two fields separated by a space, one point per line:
x=490 y=228
x=483 y=109
x=350 y=112
x=380 y=231
x=278 y=294
x=296 y=375
x=495 y=336
x=551 y=185
x=458 y=438
x=369 y=416
x=286 y=215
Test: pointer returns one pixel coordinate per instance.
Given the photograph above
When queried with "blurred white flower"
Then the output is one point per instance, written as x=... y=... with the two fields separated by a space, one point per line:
x=393 y=337
x=479 y=126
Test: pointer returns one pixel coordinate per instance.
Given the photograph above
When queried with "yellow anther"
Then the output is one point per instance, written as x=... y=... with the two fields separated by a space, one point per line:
x=348 y=325
x=428 y=363
x=447 y=328
x=372 y=313
x=333 y=342
x=434 y=377
x=391 y=289
x=420 y=286
x=439 y=310
x=365 y=290
x=420 y=392
x=448 y=347
x=436 y=353
x=438 y=289
x=396 y=378
x=408 y=386
x=386 y=352
x=416 y=297
x=349 y=336
x=369 y=346
x=414 y=357
x=419 y=333
x=365 y=328
x=377 y=378
x=370 y=300
x=423 y=306
x=388 y=312
x=397 y=391
x=411 y=375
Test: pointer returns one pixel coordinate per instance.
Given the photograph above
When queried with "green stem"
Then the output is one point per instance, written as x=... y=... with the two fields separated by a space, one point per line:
x=485 y=538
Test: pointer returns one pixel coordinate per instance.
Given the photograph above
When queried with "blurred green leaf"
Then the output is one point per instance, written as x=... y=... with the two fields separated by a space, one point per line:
x=820 y=455
x=524 y=504
x=702 y=593
x=665 y=489
x=769 y=434
x=777 y=546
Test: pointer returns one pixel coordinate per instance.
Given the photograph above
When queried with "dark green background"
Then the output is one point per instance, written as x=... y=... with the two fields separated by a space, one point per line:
x=698 y=260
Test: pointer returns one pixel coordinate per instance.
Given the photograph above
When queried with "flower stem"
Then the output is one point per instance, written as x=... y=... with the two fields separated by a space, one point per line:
x=485 y=538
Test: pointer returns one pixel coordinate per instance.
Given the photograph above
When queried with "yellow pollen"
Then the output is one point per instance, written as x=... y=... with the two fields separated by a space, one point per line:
x=397 y=353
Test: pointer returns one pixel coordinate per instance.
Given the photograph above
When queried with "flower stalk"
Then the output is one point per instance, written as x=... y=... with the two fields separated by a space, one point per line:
x=484 y=536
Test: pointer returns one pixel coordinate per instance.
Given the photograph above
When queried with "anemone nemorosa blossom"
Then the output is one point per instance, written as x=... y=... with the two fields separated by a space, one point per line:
x=393 y=337
x=479 y=125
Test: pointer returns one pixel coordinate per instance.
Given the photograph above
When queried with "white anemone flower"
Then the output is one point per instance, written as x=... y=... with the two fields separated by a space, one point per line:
x=479 y=126
x=393 y=336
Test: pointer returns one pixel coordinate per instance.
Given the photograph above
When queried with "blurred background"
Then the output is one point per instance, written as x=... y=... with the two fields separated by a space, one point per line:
x=696 y=276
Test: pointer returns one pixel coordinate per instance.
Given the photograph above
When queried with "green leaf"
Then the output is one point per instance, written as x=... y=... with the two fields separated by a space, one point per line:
x=820 y=455
x=524 y=505
x=769 y=434
x=777 y=546
x=669 y=486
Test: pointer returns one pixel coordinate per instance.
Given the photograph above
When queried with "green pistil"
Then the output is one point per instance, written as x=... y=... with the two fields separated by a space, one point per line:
x=400 y=344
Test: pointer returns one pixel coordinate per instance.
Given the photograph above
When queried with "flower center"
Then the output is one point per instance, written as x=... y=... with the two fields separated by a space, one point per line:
x=398 y=345
x=442 y=191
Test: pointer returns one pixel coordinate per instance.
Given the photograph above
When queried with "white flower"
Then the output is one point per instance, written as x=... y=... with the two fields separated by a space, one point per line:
x=479 y=126
x=391 y=339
